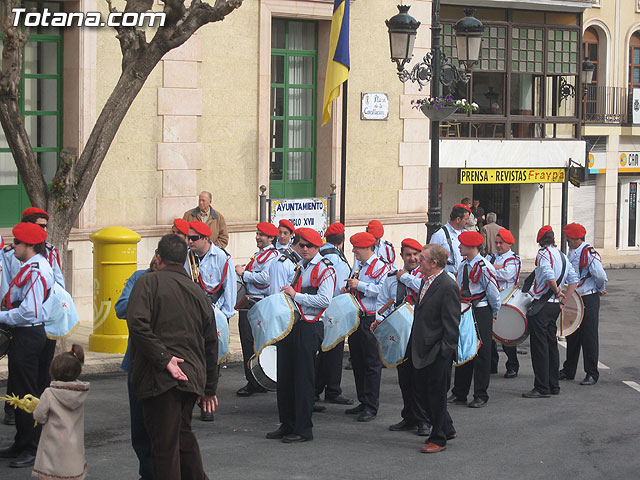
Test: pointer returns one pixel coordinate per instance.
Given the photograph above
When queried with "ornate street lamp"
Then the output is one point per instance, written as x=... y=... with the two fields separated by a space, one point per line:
x=402 y=33
x=587 y=72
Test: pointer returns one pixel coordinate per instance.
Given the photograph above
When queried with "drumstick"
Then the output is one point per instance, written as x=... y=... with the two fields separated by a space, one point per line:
x=386 y=305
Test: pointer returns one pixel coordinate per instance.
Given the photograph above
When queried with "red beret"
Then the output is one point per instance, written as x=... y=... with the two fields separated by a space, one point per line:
x=471 y=238
x=362 y=240
x=269 y=229
x=334 y=229
x=375 y=228
x=182 y=225
x=33 y=211
x=506 y=235
x=543 y=231
x=310 y=235
x=462 y=205
x=287 y=224
x=1 y=242
x=575 y=230
x=30 y=233
x=411 y=243
x=200 y=228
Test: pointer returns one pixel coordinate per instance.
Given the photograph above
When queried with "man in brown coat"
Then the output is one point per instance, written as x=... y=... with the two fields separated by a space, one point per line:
x=490 y=232
x=174 y=354
x=205 y=213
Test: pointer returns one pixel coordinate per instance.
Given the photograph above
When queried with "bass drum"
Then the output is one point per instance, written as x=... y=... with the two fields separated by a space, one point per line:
x=571 y=316
x=510 y=328
x=264 y=368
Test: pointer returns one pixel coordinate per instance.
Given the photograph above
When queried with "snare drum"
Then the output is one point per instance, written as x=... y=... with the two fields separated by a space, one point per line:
x=511 y=328
x=271 y=319
x=264 y=368
x=571 y=316
x=5 y=340
x=340 y=320
x=393 y=334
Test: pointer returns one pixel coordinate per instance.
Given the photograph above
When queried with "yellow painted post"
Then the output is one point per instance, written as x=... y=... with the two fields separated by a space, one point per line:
x=115 y=257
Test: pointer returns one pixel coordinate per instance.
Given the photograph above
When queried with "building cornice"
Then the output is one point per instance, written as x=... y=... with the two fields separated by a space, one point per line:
x=548 y=5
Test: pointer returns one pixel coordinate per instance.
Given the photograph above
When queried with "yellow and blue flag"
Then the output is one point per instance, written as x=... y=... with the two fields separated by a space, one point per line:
x=338 y=63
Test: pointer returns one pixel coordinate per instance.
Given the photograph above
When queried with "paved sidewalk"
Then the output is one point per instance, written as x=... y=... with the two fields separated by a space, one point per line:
x=108 y=362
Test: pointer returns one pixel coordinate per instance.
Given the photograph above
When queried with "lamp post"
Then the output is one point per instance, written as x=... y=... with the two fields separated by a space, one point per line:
x=586 y=75
x=435 y=65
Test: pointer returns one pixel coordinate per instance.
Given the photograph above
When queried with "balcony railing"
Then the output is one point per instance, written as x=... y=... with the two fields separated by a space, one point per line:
x=605 y=105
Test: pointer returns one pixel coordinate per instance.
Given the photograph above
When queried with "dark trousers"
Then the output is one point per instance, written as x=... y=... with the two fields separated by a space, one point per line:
x=544 y=348
x=513 y=364
x=25 y=357
x=366 y=363
x=140 y=440
x=45 y=362
x=586 y=337
x=412 y=409
x=478 y=369
x=175 y=453
x=246 y=340
x=329 y=372
x=296 y=377
x=432 y=383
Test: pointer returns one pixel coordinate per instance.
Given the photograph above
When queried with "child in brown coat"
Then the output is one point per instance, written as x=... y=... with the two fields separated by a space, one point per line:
x=61 y=412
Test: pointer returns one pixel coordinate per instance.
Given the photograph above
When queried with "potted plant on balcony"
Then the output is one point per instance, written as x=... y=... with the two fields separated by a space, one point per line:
x=440 y=108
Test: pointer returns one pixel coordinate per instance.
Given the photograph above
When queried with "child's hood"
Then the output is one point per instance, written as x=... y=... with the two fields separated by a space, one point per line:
x=71 y=394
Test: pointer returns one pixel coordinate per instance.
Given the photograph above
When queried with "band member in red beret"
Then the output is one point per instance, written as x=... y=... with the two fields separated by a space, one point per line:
x=384 y=250
x=365 y=283
x=285 y=234
x=553 y=271
x=312 y=291
x=181 y=228
x=447 y=236
x=329 y=364
x=255 y=276
x=507 y=272
x=591 y=285
x=22 y=306
x=479 y=287
x=399 y=287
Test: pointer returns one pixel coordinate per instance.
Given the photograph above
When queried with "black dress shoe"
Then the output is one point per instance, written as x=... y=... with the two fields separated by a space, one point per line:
x=277 y=434
x=206 y=416
x=511 y=374
x=10 y=417
x=340 y=400
x=423 y=429
x=477 y=403
x=9 y=452
x=554 y=391
x=589 y=380
x=295 y=438
x=563 y=376
x=403 y=426
x=533 y=393
x=25 y=459
x=355 y=410
x=245 y=391
x=318 y=408
x=456 y=401
x=366 y=416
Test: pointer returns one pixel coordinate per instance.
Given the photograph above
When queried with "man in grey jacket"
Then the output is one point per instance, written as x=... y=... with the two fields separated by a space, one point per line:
x=174 y=355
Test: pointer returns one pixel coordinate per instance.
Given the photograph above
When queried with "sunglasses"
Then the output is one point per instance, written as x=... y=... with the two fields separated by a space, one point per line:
x=195 y=238
x=16 y=241
x=43 y=225
x=305 y=245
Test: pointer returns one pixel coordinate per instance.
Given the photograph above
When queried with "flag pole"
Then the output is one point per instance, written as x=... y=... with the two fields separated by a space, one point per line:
x=343 y=155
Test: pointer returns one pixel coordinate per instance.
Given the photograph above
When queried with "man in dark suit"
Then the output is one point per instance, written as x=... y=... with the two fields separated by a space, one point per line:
x=434 y=343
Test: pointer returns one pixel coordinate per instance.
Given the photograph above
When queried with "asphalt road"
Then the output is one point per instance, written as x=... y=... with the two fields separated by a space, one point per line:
x=584 y=433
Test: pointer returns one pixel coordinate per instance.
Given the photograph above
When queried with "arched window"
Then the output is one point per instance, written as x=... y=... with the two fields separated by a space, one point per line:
x=634 y=61
x=590 y=50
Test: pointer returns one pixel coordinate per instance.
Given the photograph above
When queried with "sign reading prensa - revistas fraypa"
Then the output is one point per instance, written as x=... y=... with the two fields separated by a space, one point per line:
x=302 y=212
x=511 y=175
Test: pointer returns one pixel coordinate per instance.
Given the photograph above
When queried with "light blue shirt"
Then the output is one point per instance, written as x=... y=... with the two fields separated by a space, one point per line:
x=282 y=272
x=256 y=276
x=593 y=278
x=549 y=267
x=11 y=266
x=342 y=268
x=508 y=276
x=211 y=267
x=455 y=258
x=486 y=282
x=121 y=310
x=32 y=308
x=311 y=305
x=281 y=247
x=389 y=290
x=372 y=275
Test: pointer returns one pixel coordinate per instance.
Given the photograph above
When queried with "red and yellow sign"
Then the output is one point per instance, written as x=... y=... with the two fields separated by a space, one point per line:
x=511 y=175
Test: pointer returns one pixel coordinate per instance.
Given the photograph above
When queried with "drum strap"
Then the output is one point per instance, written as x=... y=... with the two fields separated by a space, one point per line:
x=450 y=260
x=537 y=305
x=401 y=293
x=335 y=251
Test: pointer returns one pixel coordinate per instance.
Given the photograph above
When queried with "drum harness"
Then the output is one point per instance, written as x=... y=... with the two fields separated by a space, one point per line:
x=537 y=304
x=450 y=259
x=465 y=291
x=316 y=280
x=213 y=294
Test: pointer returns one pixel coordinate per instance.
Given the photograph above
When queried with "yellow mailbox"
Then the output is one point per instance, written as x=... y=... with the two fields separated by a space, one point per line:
x=115 y=257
